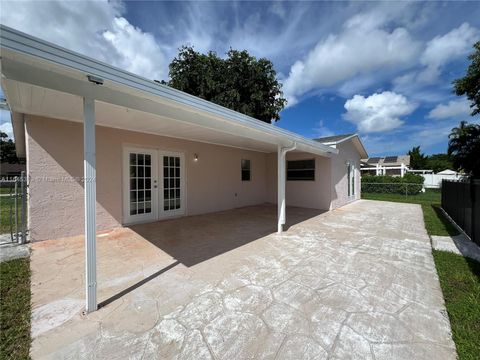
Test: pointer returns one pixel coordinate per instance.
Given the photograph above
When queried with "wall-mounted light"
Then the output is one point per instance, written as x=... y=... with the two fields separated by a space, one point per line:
x=195 y=157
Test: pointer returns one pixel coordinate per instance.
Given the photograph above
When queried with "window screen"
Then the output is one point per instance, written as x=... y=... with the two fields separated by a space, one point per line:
x=246 y=170
x=301 y=170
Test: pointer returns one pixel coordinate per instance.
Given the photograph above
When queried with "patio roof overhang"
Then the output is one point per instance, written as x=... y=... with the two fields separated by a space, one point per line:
x=43 y=79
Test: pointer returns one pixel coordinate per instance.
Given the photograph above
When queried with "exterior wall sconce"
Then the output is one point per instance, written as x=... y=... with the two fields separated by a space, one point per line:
x=195 y=157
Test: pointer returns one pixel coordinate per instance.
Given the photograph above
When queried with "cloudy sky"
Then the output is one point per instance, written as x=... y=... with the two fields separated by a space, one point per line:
x=383 y=70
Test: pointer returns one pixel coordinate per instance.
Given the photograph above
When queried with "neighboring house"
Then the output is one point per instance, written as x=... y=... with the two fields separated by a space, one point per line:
x=386 y=165
x=10 y=171
x=106 y=148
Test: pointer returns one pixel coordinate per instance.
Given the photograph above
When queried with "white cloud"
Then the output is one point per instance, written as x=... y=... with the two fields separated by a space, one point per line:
x=378 y=112
x=5 y=123
x=438 y=52
x=321 y=130
x=361 y=47
x=443 y=49
x=453 y=109
x=93 y=28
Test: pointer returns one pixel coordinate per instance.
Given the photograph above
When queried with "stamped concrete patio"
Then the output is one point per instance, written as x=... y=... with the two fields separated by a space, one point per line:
x=355 y=283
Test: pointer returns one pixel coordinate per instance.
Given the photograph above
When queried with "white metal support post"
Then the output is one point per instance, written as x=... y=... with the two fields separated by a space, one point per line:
x=281 y=153
x=89 y=174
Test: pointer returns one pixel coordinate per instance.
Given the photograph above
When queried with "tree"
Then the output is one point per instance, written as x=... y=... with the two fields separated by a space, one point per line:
x=7 y=150
x=240 y=82
x=417 y=159
x=440 y=162
x=470 y=84
x=464 y=146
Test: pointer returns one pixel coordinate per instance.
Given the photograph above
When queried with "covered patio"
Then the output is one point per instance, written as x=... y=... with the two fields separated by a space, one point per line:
x=333 y=285
x=50 y=88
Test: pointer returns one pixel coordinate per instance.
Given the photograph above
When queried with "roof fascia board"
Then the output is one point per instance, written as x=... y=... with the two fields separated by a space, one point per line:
x=27 y=45
x=351 y=137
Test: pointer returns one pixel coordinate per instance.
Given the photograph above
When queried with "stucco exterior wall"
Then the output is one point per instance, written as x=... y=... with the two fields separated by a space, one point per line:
x=309 y=194
x=347 y=153
x=55 y=167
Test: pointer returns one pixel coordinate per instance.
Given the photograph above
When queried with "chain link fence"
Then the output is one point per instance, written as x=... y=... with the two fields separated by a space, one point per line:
x=13 y=208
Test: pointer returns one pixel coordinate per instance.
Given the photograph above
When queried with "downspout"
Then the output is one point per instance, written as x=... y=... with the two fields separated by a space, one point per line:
x=282 y=152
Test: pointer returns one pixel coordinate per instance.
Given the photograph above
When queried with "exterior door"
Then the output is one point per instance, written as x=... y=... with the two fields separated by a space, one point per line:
x=140 y=185
x=172 y=184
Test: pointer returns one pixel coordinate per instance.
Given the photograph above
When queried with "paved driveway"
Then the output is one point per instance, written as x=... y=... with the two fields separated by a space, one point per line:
x=355 y=283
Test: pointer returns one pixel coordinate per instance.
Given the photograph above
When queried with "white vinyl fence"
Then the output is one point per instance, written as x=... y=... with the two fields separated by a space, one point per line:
x=435 y=180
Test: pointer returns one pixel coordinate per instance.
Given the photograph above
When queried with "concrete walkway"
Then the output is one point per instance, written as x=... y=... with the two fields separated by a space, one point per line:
x=11 y=250
x=459 y=245
x=355 y=283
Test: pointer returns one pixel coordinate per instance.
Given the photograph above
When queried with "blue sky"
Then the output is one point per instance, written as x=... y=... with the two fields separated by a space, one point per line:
x=381 y=69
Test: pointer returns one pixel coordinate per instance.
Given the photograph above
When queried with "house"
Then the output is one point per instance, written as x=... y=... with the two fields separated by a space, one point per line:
x=386 y=165
x=106 y=148
x=10 y=171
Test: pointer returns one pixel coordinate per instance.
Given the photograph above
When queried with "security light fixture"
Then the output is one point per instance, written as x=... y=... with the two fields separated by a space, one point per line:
x=195 y=157
x=95 y=79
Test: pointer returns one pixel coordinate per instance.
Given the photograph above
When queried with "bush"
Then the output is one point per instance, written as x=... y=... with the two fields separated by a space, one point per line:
x=409 y=184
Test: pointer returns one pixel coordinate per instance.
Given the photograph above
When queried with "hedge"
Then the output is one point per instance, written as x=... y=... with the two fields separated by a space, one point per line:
x=409 y=184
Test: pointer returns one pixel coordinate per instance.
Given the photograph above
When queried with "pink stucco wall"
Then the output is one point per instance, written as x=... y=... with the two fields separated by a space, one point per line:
x=213 y=183
x=310 y=194
x=55 y=167
x=347 y=153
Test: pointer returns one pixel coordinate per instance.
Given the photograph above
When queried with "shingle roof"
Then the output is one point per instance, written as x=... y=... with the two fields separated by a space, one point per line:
x=335 y=138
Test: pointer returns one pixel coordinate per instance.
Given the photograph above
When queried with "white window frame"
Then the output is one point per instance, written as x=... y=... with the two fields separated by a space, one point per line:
x=351 y=180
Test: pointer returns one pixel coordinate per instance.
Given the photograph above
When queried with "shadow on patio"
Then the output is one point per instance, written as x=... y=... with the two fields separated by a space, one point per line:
x=194 y=239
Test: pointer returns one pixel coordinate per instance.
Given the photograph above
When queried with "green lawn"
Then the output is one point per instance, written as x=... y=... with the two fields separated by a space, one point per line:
x=5 y=203
x=15 y=309
x=435 y=222
x=460 y=282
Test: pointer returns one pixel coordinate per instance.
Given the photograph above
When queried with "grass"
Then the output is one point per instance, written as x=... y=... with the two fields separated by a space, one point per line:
x=460 y=282
x=435 y=221
x=15 y=309
x=5 y=203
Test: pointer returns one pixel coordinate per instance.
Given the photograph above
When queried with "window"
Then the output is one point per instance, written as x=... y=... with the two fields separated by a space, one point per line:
x=301 y=170
x=351 y=179
x=246 y=170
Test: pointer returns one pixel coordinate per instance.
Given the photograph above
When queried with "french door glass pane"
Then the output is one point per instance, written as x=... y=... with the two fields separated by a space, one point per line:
x=140 y=183
x=171 y=183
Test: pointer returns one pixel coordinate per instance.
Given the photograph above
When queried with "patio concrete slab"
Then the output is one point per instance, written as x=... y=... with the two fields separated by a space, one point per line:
x=355 y=283
x=459 y=244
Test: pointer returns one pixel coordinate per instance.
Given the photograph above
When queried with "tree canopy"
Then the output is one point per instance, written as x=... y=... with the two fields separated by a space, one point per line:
x=239 y=82
x=464 y=146
x=470 y=84
x=7 y=150
x=440 y=162
x=418 y=160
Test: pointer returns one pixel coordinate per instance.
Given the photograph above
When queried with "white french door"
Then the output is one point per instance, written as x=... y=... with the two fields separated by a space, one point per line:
x=172 y=184
x=154 y=183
